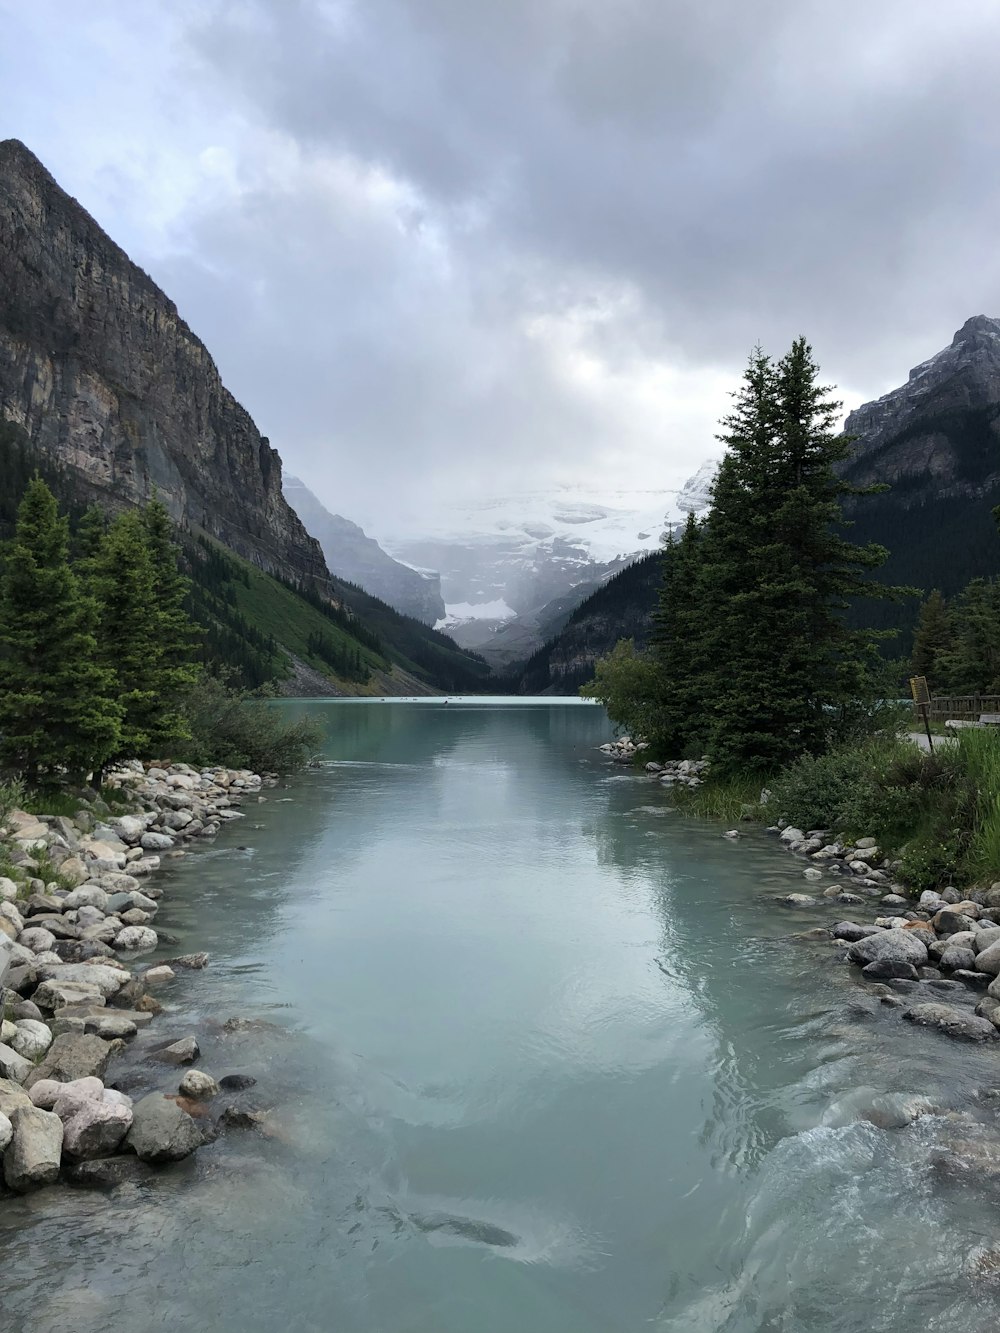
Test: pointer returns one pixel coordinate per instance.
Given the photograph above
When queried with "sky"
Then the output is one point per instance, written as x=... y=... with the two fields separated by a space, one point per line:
x=448 y=249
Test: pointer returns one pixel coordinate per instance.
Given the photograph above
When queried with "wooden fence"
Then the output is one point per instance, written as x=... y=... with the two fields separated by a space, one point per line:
x=963 y=707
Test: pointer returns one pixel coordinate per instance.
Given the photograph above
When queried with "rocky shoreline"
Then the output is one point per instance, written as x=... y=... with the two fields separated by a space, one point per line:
x=944 y=942
x=75 y=924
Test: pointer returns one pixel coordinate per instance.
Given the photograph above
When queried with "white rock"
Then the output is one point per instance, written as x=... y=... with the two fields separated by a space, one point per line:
x=108 y=980
x=136 y=939
x=8 y=889
x=791 y=834
x=198 y=1084
x=156 y=976
x=87 y=895
x=32 y=1038
x=6 y=1131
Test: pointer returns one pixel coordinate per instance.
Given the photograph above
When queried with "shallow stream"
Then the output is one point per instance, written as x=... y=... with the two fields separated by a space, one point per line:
x=546 y=1057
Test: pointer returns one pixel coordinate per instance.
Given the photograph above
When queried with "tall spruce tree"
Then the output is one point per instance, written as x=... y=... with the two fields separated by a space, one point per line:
x=58 y=714
x=677 y=647
x=179 y=635
x=779 y=574
x=933 y=638
x=136 y=641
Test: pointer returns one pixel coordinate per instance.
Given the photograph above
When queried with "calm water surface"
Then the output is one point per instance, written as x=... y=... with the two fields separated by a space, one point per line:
x=546 y=1058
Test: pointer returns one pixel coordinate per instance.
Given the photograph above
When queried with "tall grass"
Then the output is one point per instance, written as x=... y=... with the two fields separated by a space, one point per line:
x=726 y=799
x=978 y=754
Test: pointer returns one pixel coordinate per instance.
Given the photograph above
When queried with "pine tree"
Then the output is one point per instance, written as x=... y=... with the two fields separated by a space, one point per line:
x=135 y=640
x=179 y=636
x=971 y=663
x=58 y=715
x=787 y=667
x=677 y=644
x=933 y=638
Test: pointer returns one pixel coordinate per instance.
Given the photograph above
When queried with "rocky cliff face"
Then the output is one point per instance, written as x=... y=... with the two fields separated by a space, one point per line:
x=104 y=375
x=351 y=554
x=938 y=435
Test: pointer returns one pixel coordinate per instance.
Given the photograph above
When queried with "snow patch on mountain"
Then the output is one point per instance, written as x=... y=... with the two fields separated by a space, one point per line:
x=461 y=613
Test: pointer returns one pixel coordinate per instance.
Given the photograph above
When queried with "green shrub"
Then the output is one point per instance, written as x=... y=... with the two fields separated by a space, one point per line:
x=12 y=797
x=236 y=730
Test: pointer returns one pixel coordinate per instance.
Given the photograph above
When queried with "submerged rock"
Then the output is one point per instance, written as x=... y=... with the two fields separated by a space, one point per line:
x=954 y=1022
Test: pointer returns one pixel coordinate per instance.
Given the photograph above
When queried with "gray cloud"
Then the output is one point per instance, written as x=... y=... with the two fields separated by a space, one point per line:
x=442 y=245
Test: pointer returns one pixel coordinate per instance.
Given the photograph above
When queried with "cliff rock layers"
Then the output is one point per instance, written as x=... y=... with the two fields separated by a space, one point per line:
x=103 y=374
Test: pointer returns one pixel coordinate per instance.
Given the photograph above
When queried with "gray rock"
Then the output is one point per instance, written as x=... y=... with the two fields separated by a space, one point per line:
x=129 y=828
x=26 y=1009
x=884 y=969
x=111 y=1027
x=889 y=945
x=799 y=900
x=107 y=1173
x=852 y=932
x=108 y=980
x=953 y=958
x=32 y=1160
x=236 y=1082
x=72 y=1056
x=954 y=1022
x=55 y=995
x=12 y=1065
x=96 y=1129
x=12 y=1095
x=87 y=895
x=136 y=939
x=156 y=842
x=48 y=1091
x=988 y=960
x=36 y=938
x=32 y=1039
x=161 y=1131
x=894 y=900
x=199 y=1085
x=989 y=1009
x=6 y=1131
x=948 y=922
x=977 y=980
x=181 y=1052
x=192 y=961
x=986 y=936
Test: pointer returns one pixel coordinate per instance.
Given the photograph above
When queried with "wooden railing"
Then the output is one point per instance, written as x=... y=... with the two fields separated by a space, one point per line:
x=963 y=707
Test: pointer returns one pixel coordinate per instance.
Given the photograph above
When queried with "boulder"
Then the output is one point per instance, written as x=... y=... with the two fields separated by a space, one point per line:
x=852 y=932
x=6 y=1131
x=96 y=1128
x=12 y=1095
x=199 y=1085
x=71 y=1056
x=989 y=1009
x=48 y=1091
x=957 y=957
x=55 y=995
x=87 y=895
x=12 y=1065
x=799 y=900
x=988 y=960
x=32 y=1159
x=948 y=921
x=155 y=976
x=135 y=939
x=161 y=1131
x=954 y=1022
x=156 y=842
x=32 y=1038
x=193 y=962
x=236 y=1082
x=885 y=969
x=113 y=1027
x=179 y=1052
x=108 y=980
x=889 y=946
x=986 y=937
x=36 y=938
x=129 y=828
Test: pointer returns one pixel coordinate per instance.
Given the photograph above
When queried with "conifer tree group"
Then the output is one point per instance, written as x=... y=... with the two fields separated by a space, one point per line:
x=754 y=661
x=96 y=647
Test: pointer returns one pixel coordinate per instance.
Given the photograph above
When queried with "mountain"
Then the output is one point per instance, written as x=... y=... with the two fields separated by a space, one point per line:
x=513 y=568
x=106 y=390
x=104 y=375
x=935 y=441
x=352 y=555
x=620 y=609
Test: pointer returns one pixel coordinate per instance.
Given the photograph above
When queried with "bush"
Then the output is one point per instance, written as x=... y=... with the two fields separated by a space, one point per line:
x=12 y=797
x=237 y=730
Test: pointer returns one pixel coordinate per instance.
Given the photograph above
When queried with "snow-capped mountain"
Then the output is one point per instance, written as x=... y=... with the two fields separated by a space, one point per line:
x=510 y=556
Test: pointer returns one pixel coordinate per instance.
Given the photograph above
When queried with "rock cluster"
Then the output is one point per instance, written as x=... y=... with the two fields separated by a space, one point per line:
x=675 y=772
x=72 y=996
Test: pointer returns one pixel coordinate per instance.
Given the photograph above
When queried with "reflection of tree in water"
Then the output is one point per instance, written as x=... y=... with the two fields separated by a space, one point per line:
x=713 y=948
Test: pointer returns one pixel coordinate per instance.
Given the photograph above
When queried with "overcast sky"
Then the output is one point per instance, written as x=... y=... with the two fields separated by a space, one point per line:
x=449 y=247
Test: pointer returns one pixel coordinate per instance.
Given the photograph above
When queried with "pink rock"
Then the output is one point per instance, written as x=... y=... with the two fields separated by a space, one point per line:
x=47 y=1091
x=96 y=1128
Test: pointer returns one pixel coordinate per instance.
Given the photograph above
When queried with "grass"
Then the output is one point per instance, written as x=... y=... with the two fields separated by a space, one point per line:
x=729 y=800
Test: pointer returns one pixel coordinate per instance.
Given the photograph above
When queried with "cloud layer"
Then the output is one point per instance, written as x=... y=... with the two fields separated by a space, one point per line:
x=442 y=248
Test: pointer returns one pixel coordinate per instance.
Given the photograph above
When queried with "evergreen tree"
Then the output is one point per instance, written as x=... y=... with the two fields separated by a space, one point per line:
x=677 y=644
x=134 y=642
x=971 y=663
x=178 y=634
x=57 y=710
x=933 y=639
x=778 y=575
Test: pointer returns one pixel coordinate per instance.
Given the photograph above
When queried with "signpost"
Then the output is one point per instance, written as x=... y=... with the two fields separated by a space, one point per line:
x=922 y=698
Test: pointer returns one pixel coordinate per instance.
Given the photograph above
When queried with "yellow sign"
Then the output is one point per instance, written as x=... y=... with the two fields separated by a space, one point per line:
x=921 y=693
